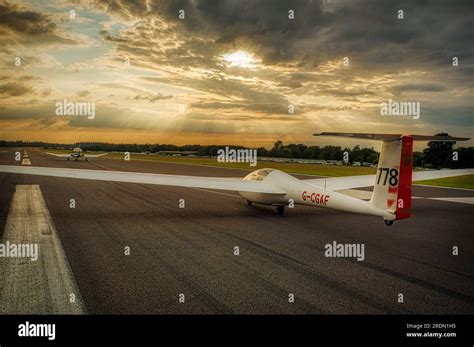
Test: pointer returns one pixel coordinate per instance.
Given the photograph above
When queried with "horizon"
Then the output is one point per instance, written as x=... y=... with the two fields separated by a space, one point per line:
x=418 y=145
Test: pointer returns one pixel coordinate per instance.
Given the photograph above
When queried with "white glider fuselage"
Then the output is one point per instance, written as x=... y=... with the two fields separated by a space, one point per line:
x=301 y=193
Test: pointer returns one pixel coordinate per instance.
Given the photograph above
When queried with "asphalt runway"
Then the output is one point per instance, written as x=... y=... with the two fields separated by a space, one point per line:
x=191 y=250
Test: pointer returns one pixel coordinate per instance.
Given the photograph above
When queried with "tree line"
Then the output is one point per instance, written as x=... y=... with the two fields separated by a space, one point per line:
x=436 y=155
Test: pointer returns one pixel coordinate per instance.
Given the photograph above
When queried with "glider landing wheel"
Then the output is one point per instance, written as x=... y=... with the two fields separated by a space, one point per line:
x=249 y=202
x=76 y=159
x=388 y=222
x=280 y=209
x=67 y=159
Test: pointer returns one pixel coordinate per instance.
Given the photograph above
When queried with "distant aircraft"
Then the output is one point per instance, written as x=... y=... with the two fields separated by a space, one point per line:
x=76 y=154
x=391 y=196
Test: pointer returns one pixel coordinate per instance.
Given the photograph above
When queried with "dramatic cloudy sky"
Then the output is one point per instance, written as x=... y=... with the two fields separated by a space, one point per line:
x=234 y=66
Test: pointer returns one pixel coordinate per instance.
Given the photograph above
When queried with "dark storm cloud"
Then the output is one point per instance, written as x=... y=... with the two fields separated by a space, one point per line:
x=262 y=25
x=368 y=31
x=25 y=21
x=33 y=27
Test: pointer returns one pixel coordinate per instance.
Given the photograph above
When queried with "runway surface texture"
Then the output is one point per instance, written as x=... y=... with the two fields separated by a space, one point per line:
x=190 y=250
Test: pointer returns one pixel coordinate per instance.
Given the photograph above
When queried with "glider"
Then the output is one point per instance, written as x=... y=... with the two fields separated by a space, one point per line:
x=391 y=196
x=76 y=154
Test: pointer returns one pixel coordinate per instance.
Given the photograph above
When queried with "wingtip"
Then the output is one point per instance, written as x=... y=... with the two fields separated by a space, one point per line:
x=392 y=137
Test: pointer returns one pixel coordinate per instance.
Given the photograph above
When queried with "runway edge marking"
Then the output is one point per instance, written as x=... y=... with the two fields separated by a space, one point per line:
x=461 y=200
x=36 y=287
x=442 y=187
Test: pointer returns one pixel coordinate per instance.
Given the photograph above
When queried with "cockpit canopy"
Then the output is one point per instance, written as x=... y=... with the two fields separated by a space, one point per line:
x=258 y=175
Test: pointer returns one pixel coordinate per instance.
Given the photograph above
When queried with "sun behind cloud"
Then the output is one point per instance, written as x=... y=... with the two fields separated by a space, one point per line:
x=240 y=59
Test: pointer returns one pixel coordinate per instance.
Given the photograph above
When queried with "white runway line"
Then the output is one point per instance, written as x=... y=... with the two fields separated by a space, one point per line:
x=362 y=194
x=426 y=185
x=219 y=193
x=35 y=287
x=468 y=200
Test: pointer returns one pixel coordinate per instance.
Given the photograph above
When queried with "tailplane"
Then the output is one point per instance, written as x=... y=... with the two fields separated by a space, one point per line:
x=393 y=181
x=392 y=188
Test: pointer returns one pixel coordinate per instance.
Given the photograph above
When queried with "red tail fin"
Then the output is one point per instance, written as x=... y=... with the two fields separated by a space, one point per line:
x=404 y=186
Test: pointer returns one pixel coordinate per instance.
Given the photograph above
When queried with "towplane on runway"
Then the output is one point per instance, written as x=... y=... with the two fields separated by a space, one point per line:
x=391 y=196
x=76 y=154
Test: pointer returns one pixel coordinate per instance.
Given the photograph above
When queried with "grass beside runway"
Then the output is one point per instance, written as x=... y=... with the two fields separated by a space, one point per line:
x=466 y=182
x=294 y=168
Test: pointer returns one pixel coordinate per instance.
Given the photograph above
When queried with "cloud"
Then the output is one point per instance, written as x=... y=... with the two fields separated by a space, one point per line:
x=106 y=36
x=153 y=98
x=27 y=26
x=297 y=51
x=46 y=92
x=15 y=89
x=82 y=93
x=419 y=87
x=369 y=31
x=25 y=21
x=27 y=111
